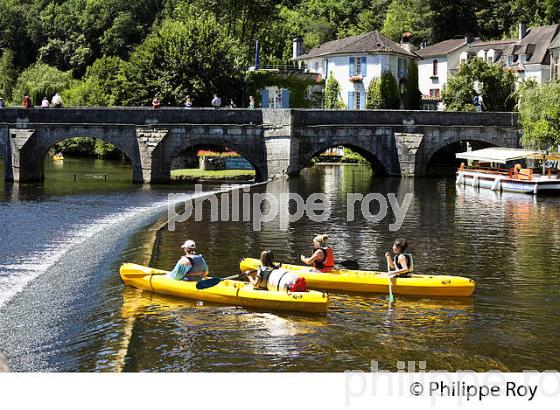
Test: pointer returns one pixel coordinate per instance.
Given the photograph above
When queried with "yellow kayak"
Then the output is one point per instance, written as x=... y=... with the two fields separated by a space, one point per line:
x=58 y=157
x=229 y=292
x=376 y=282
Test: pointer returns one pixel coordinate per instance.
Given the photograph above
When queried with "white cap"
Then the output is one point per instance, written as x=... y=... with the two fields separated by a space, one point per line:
x=189 y=244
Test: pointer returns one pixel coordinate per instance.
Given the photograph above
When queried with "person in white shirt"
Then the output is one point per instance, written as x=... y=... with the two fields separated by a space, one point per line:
x=45 y=103
x=57 y=101
x=216 y=101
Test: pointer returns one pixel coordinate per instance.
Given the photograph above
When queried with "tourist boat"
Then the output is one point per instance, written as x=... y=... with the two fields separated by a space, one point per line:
x=502 y=169
x=365 y=281
x=58 y=157
x=228 y=292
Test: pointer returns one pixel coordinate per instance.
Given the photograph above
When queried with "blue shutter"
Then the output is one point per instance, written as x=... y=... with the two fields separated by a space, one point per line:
x=364 y=67
x=351 y=67
x=363 y=100
x=350 y=100
x=285 y=98
x=264 y=98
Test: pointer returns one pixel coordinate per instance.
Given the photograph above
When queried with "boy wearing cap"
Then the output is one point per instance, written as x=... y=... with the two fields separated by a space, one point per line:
x=191 y=266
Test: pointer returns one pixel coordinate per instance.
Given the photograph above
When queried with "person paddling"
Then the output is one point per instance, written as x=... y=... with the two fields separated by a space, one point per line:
x=259 y=279
x=272 y=277
x=322 y=258
x=191 y=266
x=401 y=264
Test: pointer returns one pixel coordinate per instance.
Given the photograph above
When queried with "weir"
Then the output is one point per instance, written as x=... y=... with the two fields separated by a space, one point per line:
x=274 y=141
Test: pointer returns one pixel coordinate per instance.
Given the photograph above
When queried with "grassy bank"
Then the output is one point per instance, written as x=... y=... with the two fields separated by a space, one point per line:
x=196 y=175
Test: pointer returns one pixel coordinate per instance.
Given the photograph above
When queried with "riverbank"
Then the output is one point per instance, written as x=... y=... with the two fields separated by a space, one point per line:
x=198 y=175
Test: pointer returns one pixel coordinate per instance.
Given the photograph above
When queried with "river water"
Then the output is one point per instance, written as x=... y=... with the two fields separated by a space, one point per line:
x=64 y=308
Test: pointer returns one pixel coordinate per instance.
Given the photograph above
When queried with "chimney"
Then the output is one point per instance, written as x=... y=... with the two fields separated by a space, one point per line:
x=297 y=49
x=522 y=30
x=407 y=41
x=469 y=38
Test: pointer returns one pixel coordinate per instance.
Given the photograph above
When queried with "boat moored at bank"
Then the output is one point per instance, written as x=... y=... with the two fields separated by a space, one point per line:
x=505 y=169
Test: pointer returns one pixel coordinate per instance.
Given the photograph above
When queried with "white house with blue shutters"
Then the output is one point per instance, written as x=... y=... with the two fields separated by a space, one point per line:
x=356 y=61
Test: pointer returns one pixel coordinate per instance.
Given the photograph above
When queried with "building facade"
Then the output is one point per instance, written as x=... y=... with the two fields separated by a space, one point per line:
x=529 y=56
x=356 y=61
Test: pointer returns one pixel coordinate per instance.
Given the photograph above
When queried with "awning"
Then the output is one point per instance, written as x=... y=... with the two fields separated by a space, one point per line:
x=500 y=155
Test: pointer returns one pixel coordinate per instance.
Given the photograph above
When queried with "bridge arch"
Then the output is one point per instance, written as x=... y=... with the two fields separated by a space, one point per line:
x=378 y=150
x=124 y=139
x=176 y=143
x=454 y=144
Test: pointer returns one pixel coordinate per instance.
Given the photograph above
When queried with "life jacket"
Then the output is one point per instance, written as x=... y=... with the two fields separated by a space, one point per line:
x=408 y=262
x=198 y=264
x=327 y=263
x=264 y=274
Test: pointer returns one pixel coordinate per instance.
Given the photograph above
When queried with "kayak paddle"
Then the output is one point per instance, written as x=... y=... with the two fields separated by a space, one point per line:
x=349 y=264
x=208 y=283
x=391 y=297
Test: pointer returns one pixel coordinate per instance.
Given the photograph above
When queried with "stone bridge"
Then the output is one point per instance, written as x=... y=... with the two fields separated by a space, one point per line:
x=274 y=141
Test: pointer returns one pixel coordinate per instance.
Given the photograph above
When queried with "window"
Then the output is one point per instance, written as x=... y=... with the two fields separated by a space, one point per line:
x=358 y=66
x=356 y=101
x=434 y=68
x=510 y=60
x=435 y=92
x=402 y=67
x=316 y=66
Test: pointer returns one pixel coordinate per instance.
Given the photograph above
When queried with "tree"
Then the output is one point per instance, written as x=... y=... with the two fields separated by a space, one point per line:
x=408 y=15
x=412 y=97
x=189 y=57
x=41 y=80
x=539 y=108
x=383 y=93
x=102 y=86
x=8 y=74
x=496 y=85
x=451 y=18
x=332 y=94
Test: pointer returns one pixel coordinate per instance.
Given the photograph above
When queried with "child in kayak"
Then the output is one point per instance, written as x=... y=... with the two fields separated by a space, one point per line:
x=191 y=266
x=322 y=258
x=401 y=264
x=271 y=277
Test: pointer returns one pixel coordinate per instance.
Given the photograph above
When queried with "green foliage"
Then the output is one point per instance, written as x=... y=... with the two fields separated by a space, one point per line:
x=293 y=81
x=539 y=108
x=383 y=93
x=88 y=147
x=102 y=86
x=189 y=57
x=497 y=87
x=8 y=74
x=41 y=80
x=452 y=17
x=408 y=15
x=332 y=94
x=412 y=97
x=352 y=157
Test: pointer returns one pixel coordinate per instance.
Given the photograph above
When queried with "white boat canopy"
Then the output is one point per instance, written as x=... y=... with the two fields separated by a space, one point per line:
x=498 y=155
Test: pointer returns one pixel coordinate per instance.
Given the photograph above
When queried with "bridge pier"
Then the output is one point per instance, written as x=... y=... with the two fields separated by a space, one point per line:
x=407 y=148
x=152 y=158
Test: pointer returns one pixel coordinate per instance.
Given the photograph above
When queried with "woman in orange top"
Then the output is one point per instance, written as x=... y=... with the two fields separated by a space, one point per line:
x=322 y=258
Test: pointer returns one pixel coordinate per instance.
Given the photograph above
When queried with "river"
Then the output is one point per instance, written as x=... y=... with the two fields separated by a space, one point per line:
x=64 y=308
